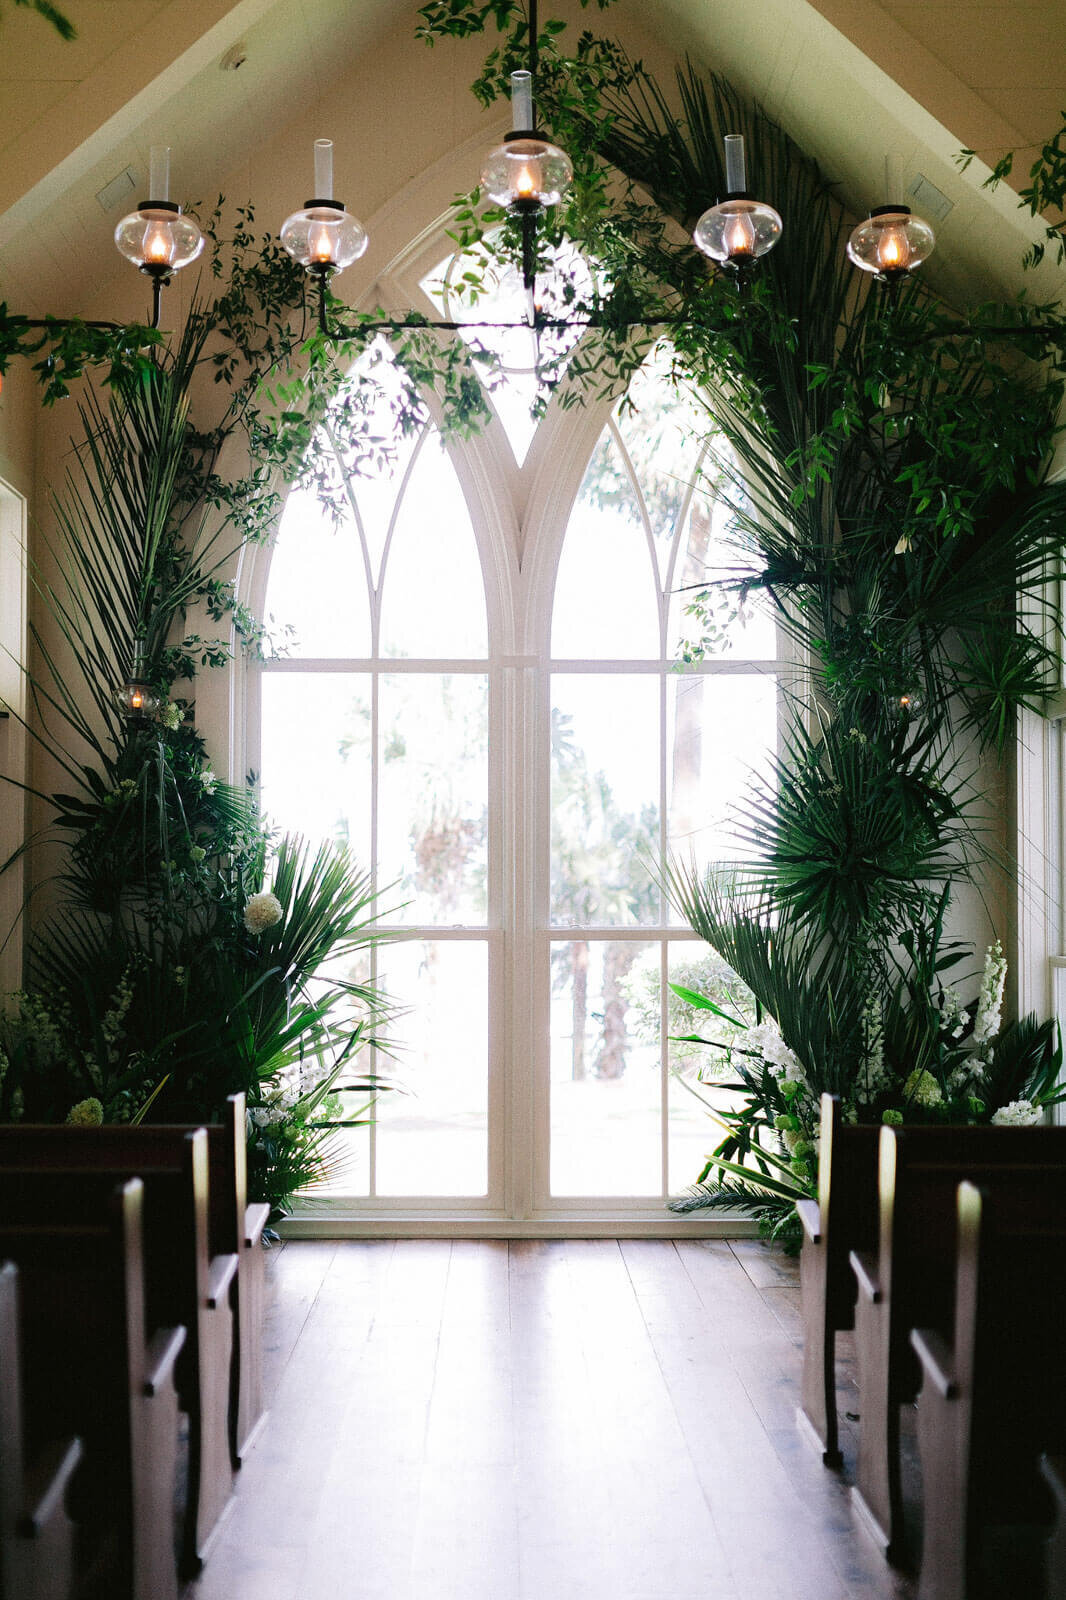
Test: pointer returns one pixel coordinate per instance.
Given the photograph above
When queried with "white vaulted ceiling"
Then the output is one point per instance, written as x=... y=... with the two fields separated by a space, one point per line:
x=850 y=78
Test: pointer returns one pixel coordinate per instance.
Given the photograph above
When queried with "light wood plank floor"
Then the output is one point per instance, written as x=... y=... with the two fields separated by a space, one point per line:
x=580 y=1420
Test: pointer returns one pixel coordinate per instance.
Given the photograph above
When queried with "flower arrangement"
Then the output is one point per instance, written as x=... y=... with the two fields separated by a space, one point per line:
x=912 y=1050
x=170 y=976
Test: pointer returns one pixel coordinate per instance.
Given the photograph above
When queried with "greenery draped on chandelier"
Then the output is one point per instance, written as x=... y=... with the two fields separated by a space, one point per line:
x=907 y=545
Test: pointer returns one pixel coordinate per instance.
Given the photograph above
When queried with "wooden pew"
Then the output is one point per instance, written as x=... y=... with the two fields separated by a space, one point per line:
x=994 y=1398
x=1053 y=1472
x=88 y=1369
x=910 y=1282
x=36 y=1534
x=843 y=1219
x=64 y=1165
x=234 y=1228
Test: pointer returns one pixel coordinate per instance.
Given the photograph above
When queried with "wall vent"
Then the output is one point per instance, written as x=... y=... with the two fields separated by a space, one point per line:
x=928 y=199
x=118 y=191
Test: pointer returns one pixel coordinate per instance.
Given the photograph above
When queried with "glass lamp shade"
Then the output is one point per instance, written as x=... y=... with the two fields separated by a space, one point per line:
x=158 y=239
x=891 y=242
x=526 y=172
x=323 y=236
x=737 y=231
x=137 y=700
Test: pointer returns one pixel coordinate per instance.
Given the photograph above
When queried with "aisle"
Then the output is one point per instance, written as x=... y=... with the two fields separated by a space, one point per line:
x=581 y=1420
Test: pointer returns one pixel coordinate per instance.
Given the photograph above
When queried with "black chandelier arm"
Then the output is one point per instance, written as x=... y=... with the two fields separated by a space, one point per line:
x=50 y=324
x=540 y=323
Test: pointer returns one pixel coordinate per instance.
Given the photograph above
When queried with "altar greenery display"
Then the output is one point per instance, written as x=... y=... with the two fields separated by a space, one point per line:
x=886 y=460
x=908 y=549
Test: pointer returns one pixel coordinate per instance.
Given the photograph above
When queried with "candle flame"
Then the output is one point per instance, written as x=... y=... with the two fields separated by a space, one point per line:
x=740 y=236
x=320 y=244
x=157 y=245
x=892 y=250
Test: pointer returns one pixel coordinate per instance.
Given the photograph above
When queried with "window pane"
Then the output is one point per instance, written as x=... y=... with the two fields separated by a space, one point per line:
x=433 y=810
x=318 y=582
x=316 y=756
x=348 y=1153
x=606 y=594
x=605 y=1077
x=604 y=800
x=433 y=1139
x=371 y=454
x=433 y=596
x=720 y=623
x=719 y=728
x=664 y=432
x=501 y=296
x=692 y=1132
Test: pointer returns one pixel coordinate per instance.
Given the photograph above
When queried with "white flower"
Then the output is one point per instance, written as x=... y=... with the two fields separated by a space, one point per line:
x=263 y=911
x=990 y=1000
x=208 y=780
x=874 y=1046
x=765 y=1040
x=267 y=1116
x=922 y=1089
x=173 y=715
x=1019 y=1114
x=86 y=1114
x=903 y=544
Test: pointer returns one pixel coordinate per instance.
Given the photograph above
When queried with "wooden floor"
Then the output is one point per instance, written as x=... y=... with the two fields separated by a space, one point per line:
x=537 y=1421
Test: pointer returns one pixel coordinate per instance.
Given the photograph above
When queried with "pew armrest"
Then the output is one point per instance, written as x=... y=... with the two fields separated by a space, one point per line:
x=811 y=1217
x=220 y=1275
x=1053 y=1472
x=937 y=1359
x=163 y=1350
x=46 y=1486
x=255 y=1220
x=864 y=1266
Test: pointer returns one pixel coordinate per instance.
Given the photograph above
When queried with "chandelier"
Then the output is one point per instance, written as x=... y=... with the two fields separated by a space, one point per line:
x=525 y=176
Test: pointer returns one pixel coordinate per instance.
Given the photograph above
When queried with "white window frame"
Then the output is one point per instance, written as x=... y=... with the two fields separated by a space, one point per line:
x=519 y=535
x=14 y=742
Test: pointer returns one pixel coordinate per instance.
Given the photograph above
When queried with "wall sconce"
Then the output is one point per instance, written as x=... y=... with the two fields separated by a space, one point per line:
x=891 y=242
x=323 y=237
x=739 y=229
x=157 y=237
x=137 y=700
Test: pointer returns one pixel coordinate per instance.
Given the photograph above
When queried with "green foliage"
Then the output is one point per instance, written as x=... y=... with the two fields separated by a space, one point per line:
x=1044 y=193
x=51 y=14
x=876 y=1023
x=149 y=986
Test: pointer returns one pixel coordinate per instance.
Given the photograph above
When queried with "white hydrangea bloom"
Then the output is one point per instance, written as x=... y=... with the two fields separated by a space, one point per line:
x=263 y=911
x=1018 y=1114
x=922 y=1089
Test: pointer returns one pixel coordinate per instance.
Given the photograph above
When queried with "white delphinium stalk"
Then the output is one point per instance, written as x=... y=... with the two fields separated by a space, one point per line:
x=990 y=1000
x=873 y=1035
x=952 y=1013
